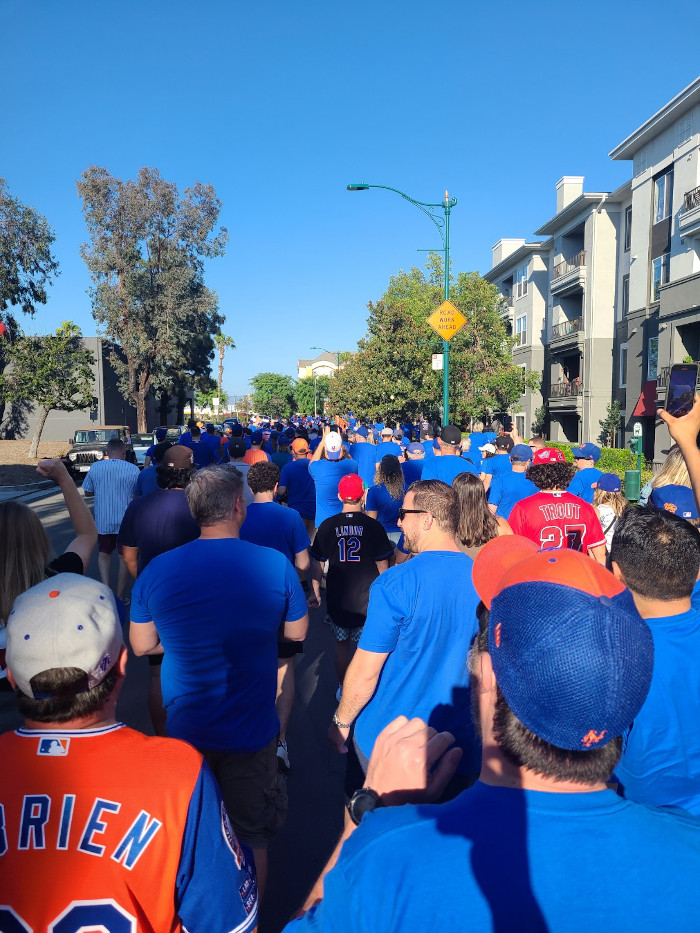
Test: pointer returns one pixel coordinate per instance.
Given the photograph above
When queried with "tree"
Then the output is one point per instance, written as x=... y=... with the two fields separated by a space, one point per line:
x=391 y=374
x=310 y=394
x=539 y=420
x=273 y=394
x=222 y=342
x=610 y=423
x=146 y=258
x=54 y=371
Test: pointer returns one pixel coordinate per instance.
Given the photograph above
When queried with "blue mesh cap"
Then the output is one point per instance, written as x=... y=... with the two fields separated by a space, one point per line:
x=573 y=659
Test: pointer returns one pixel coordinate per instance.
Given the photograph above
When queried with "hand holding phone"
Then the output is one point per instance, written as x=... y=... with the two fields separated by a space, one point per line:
x=681 y=389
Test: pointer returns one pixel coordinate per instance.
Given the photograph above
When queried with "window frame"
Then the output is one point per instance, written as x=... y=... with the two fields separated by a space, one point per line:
x=622 y=366
x=667 y=196
x=628 y=228
x=521 y=334
x=663 y=263
x=651 y=378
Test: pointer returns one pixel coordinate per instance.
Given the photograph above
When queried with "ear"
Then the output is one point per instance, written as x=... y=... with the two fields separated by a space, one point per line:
x=11 y=679
x=486 y=676
x=121 y=662
x=617 y=573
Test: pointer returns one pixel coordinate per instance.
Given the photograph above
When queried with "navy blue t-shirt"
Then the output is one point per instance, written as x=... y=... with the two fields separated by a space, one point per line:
x=219 y=673
x=157 y=523
x=271 y=525
x=301 y=490
x=202 y=453
x=147 y=481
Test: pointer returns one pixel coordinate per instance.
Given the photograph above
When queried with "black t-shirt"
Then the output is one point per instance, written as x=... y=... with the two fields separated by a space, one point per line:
x=69 y=562
x=352 y=543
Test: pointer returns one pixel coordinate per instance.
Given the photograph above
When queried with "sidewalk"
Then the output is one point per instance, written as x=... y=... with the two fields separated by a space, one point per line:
x=27 y=492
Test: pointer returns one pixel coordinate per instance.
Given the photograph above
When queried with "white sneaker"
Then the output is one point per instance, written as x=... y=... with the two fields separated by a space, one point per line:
x=339 y=693
x=282 y=756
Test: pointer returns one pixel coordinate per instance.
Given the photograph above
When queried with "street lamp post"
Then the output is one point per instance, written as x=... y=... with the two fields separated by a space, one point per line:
x=443 y=225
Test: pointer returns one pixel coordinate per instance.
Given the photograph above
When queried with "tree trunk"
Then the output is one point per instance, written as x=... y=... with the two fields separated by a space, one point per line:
x=43 y=415
x=164 y=407
x=221 y=368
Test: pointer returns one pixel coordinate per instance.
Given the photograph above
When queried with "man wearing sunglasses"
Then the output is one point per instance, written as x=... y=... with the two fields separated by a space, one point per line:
x=421 y=620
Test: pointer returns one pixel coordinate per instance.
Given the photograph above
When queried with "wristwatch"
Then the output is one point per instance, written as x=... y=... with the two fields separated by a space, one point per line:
x=338 y=723
x=363 y=801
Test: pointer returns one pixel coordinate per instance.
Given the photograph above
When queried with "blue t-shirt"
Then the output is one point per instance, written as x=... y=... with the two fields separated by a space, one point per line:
x=582 y=484
x=446 y=468
x=500 y=463
x=157 y=523
x=326 y=475
x=213 y=441
x=301 y=491
x=387 y=447
x=219 y=673
x=429 y=448
x=281 y=458
x=202 y=453
x=271 y=525
x=508 y=488
x=574 y=863
x=379 y=500
x=660 y=764
x=412 y=471
x=147 y=481
x=366 y=458
x=423 y=613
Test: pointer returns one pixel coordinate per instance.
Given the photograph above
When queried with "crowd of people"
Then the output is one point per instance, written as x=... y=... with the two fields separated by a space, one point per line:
x=515 y=651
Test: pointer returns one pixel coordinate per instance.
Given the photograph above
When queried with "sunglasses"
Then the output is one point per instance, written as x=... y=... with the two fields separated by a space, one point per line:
x=404 y=512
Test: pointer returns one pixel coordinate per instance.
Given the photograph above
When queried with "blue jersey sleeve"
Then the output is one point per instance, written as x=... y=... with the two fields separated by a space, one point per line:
x=216 y=884
x=575 y=487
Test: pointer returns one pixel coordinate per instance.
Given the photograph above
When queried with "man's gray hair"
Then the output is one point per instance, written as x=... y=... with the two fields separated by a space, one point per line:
x=212 y=493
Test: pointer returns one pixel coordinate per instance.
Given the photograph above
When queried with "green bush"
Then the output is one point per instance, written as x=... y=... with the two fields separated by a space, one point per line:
x=612 y=460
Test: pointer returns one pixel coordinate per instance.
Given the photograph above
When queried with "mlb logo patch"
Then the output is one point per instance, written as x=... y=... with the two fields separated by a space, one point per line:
x=53 y=746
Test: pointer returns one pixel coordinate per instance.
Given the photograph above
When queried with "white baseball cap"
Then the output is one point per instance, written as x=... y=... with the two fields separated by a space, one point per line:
x=333 y=443
x=65 y=621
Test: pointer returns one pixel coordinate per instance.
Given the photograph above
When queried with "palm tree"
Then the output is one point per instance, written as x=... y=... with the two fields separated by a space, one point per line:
x=222 y=342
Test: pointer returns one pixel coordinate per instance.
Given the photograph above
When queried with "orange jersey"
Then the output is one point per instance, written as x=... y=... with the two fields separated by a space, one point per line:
x=96 y=831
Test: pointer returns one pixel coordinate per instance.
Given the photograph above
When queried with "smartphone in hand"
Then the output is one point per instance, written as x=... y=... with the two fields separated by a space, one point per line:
x=681 y=388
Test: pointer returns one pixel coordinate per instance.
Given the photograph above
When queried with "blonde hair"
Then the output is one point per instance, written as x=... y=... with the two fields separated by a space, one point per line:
x=24 y=553
x=673 y=471
x=392 y=479
x=617 y=502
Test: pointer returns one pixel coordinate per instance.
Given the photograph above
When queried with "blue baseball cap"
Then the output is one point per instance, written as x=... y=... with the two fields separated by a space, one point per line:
x=256 y=437
x=161 y=433
x=609 y=482
x=572 y=656
x=415 y=448
x=362 y=431
x=678 y=500
x=586 y=452
x=521 y=453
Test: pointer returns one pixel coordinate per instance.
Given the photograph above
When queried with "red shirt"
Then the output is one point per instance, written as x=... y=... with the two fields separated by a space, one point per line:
x=557 y=520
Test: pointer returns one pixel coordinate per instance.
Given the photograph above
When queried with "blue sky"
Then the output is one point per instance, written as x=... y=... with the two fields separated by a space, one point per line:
x=279 y=105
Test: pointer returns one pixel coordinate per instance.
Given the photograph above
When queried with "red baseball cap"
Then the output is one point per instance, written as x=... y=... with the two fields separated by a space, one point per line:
x=548 y=455
x=351 y=488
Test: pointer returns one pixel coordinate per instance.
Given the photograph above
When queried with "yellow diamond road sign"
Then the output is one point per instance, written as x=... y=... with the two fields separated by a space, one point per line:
x=447 y=320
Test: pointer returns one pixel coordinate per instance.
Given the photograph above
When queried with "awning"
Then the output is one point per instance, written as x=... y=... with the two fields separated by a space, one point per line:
x=646 y=403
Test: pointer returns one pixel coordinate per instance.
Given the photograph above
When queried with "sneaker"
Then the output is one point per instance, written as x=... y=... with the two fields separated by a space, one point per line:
x=282 y=756
x=339 y=693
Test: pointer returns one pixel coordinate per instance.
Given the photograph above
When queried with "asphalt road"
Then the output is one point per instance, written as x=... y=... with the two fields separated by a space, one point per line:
x=315 y=782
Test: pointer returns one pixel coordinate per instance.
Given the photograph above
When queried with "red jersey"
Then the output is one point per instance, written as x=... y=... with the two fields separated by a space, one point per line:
x=557 y=520
x=103 y=829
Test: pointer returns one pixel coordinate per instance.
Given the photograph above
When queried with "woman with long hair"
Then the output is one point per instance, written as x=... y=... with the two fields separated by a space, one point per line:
x=673 y=472
x=477 y=524
x=385 y=498
x=25 y=548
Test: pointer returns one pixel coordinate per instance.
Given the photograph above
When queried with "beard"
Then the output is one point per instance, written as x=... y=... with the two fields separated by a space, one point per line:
x=410 y=544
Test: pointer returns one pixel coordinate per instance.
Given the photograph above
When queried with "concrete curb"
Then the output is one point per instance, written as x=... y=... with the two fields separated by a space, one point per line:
x=29 y=490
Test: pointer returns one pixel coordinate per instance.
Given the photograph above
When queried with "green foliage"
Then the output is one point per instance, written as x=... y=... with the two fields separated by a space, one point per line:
x=273 y=394
x=391 y=374
x=539 y=421
x=52 y=371
x=308 y=399
x=27 y=263
x=610 y=423
x=146 y=257
x=612 y=459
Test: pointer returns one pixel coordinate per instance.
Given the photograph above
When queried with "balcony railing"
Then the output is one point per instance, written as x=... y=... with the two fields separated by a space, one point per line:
x=507 y=300
x=566 y=389
x=691 y=199
x=567 y=327
x=570 y=264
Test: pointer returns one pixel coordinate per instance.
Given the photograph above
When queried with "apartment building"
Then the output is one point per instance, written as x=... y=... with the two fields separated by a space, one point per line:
x=521 y=272
x=658 y=315
x=613 y=292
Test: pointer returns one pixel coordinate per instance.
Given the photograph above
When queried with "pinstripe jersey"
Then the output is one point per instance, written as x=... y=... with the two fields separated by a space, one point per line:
x=113 y=483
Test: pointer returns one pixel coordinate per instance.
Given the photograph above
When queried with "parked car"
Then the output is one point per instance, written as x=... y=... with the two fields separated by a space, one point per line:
x=140 y=444
x=90 y=444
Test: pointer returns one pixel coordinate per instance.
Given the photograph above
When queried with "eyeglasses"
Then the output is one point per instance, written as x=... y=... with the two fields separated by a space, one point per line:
x=404 y=512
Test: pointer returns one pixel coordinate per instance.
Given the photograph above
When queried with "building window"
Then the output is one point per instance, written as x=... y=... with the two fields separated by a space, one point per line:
x=628 y=228
x=663 y=196
x=521 y=330
x=521 y=279
x=623 y=366
x=661 y=267
x=625 y=294
x=653 y=358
